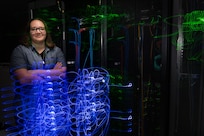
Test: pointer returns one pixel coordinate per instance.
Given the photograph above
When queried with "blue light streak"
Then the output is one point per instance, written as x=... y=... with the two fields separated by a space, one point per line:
x=88 y=96
x=76 y=106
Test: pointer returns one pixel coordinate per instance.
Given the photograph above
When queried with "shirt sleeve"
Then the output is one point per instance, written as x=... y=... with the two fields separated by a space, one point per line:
x=61 y=57
x=17 y=59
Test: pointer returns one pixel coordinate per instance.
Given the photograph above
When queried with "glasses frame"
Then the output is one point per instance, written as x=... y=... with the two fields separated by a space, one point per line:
x=34 y=29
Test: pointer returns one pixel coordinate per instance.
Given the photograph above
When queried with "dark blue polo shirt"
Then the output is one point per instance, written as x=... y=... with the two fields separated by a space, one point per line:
x=29 y=58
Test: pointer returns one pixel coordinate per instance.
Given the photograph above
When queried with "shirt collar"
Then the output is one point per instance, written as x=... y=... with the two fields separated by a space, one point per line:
x=33 y=48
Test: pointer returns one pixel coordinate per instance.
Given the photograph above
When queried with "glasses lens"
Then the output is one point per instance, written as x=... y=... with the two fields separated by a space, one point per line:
x=35 y=29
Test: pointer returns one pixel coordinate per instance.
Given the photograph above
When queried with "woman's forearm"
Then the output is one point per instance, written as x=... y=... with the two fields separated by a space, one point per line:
x=51 y=74
x=29 y=76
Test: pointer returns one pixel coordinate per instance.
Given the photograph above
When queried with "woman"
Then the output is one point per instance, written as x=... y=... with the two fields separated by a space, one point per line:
x=37 y=58
x=37 y=66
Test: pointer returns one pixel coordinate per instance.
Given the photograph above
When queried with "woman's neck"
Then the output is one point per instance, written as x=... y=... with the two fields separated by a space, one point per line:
x=40 y=47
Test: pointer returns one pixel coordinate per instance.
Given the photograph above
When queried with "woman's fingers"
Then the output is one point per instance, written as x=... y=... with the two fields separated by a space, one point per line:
x=58 y=65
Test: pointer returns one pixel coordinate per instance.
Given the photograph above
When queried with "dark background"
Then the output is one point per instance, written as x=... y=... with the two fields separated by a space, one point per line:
x=13 y=17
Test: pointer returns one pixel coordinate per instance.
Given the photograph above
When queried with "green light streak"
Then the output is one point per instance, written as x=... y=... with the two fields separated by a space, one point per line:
x=192 y=24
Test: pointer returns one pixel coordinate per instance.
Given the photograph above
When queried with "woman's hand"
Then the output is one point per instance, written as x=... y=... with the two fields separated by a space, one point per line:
x=58 y=65
x=57 y=72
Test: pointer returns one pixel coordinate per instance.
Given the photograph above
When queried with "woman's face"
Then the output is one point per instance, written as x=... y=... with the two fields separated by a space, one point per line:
x=37 y=31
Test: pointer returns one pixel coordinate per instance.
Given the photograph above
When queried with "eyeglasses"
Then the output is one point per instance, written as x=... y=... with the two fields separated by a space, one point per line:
x=41 y=29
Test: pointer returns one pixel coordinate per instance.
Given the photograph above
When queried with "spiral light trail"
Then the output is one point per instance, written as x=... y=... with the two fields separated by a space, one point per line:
x=76 y=106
